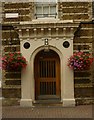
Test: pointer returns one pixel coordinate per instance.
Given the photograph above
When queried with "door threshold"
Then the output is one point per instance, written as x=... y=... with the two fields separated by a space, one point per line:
x=50 y=103
x=48 y=97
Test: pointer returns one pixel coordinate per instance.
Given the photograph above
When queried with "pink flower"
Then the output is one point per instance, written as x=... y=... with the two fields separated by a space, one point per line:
x=13 y=61
x=80 y=61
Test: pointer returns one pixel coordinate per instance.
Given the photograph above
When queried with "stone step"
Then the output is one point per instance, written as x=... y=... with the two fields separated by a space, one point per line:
x=47 y=103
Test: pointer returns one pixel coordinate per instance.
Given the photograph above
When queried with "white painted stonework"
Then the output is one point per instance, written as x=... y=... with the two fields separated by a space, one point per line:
x=56 y=44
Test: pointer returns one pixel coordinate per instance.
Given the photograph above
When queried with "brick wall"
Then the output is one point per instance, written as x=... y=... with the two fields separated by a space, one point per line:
x=76 y=11
x=25 y=11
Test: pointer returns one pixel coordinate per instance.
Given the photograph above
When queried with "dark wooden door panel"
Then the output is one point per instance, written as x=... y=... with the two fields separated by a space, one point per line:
x=47 y=88
x=47 y=78
x=47 y=68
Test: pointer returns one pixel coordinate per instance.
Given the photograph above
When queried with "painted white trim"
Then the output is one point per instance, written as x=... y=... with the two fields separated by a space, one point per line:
x=11 y=15
x=66 y=74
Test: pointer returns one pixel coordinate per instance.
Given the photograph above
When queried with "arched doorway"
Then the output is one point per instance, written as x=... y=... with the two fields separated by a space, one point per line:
x=47 y=75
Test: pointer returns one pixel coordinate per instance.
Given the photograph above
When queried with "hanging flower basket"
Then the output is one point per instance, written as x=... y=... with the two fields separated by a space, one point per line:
x=80 y=61
x=13 y=62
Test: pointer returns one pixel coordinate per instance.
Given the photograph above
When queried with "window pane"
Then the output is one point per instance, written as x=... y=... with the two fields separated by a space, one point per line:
x=38 y=0
x=53 y=1
x=45 y=11
x=38 y=11
x=53 y=9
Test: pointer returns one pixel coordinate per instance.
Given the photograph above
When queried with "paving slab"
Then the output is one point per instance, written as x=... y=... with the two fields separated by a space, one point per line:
x=83 y=111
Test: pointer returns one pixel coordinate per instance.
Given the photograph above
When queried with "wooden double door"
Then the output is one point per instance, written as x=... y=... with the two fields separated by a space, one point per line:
x=47 y=75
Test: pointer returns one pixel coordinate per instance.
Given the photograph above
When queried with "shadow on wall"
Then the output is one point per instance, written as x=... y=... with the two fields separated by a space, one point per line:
x=0 y=72
x=0 y=80
x=0 y=76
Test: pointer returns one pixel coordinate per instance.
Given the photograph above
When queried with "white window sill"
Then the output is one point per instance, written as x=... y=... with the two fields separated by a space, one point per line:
x=45 y=18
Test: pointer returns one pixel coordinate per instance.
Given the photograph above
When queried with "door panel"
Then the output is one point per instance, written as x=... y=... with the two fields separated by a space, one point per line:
x=47 y=77
x=47 y=68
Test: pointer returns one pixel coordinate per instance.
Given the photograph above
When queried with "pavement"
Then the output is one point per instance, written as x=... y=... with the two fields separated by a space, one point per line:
x=82 y=111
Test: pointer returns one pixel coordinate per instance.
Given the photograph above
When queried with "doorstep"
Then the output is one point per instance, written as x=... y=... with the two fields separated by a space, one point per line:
x=47 y=103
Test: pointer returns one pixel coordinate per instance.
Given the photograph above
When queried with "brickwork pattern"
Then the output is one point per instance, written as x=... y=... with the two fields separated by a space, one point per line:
x=79 y=11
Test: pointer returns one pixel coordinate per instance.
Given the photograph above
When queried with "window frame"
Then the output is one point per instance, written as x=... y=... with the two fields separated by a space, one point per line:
x=49 y=5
